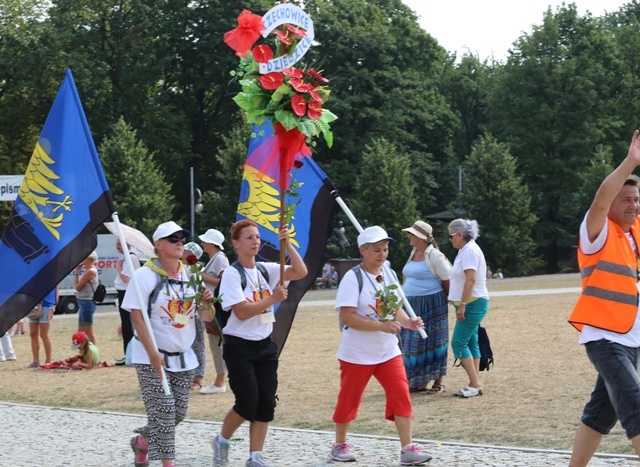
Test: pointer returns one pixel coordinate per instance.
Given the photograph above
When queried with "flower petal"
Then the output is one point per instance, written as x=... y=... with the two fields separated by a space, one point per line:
x=271 y=81
x=299 y=105
x=283 y=37
x=262 y=53
x=314 y=110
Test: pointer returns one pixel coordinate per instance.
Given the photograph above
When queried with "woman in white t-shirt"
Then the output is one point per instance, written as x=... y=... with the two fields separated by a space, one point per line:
x=468 y=293
x=369 y=347
x=250 y=354
x=172 y=313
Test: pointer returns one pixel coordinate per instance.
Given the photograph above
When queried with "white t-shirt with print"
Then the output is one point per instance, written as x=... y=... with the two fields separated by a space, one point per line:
x=590 y=333
x=253 y=329
x=364 y=347
x=470 y=256
x=118 y=283
x=169 y=332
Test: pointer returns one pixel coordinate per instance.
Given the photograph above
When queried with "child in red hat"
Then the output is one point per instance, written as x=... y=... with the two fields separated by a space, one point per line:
x=88 y=355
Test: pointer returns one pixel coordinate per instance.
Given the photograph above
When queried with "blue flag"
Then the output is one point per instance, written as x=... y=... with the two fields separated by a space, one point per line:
x=63 y=199
x=260 y=202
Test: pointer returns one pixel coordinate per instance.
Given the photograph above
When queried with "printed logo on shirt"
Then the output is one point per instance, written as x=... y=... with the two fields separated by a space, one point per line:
x=178 y=313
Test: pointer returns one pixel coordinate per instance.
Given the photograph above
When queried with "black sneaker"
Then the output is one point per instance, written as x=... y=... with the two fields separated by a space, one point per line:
x=120 y=362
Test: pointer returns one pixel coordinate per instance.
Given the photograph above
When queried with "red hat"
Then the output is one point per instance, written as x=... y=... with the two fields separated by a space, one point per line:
x=78 y=339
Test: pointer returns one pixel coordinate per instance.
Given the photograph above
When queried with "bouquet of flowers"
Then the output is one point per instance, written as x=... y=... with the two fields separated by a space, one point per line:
x=292 y=98
x=196 y=281
x=387 y=302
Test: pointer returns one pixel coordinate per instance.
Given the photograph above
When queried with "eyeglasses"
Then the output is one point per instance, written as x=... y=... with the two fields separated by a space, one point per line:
x=176 y=239
x=453 y=235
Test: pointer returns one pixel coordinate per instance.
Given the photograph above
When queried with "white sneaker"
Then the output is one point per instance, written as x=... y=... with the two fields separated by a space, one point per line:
x=213 y=389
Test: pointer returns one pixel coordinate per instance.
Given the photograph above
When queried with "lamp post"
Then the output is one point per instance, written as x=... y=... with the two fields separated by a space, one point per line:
x=196 y=202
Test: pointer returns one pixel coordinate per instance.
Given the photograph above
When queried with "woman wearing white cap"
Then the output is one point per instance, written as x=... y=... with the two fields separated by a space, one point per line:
x=369 y=347
x=85 y=285
x=212 y=243
x=168 y=300
x=426 y=286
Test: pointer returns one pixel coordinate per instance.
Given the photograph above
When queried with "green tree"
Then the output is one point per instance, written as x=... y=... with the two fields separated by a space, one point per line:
x=140 y=193
x=494 y=195
x=385 y=194
x=385 y=72
x=552 y=103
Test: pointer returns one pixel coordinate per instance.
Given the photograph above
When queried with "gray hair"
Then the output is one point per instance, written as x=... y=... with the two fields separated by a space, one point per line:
x=467 y=228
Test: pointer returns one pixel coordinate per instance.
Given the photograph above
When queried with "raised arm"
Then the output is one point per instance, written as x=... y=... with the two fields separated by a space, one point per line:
x=610 y=188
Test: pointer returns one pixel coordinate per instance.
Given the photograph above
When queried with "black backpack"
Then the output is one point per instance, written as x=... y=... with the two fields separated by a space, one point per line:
x=223 y=315
x=486 y=354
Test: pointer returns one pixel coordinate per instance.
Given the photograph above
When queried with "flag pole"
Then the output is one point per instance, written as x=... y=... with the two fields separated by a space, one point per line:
x=283 y=194
x=407 y=306
x=136 y=287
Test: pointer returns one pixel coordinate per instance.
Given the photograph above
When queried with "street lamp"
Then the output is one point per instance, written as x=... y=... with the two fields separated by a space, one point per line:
x=196 y=203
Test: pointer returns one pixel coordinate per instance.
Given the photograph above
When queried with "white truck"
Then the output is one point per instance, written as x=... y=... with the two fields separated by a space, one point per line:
x=107 y=257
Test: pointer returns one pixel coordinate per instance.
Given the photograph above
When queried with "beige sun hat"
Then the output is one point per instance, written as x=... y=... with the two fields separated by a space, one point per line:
x=420 y=229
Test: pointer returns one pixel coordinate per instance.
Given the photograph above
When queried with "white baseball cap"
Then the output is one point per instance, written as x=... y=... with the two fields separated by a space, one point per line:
x=168 y=228
x=213 y=236
x=373 y=234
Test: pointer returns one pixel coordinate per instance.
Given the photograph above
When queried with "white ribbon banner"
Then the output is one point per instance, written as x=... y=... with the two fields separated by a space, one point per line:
x=285 y=13
x=9 y=186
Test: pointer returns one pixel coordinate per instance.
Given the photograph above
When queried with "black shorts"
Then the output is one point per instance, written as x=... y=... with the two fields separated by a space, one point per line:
x=253 y=376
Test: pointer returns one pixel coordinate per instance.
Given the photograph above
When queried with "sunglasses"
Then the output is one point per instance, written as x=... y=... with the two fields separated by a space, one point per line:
x=176 y=239
x=453 y=235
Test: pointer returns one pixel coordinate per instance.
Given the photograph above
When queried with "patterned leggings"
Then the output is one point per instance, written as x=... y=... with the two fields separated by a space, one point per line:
x=164 y=412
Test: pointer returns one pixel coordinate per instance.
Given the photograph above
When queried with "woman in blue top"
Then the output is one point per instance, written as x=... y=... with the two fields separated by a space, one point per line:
x=426 y=286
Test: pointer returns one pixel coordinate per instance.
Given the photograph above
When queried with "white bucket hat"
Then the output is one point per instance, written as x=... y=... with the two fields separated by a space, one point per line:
x=213 y=236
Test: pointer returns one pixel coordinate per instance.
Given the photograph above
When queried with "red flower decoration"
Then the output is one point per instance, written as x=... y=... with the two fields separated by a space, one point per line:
x=315 y=96
x=297 y=33
x=246 y=34
x=283 y=37
x=299 y=86
x=271 y=81
x=191 y=260
x=292 y=73
x=318 y=76
x=262 y=53
x=298 y=164
x=315 y=110
x=299 y=105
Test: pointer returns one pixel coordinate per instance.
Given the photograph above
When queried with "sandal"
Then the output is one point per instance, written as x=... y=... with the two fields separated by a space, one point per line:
x=419 y=389
x=140 y=451
x=436 y=388
x=33 y=365
x=196 y=386
x=468 y=392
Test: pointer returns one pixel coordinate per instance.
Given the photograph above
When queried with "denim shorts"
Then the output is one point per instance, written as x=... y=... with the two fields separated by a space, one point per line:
x=86 y=308
x=44 y=319
x=616 y=395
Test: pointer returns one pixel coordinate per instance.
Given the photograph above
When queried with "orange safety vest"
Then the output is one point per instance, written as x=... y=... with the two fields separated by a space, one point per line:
x=609 y=298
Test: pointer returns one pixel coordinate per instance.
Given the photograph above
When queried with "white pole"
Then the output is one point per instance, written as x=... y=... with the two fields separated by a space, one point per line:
x=136 y=287
x=193 y=202
x=385 y=268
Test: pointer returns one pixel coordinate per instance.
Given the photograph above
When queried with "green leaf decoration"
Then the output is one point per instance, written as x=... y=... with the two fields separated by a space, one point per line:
x=287 y=119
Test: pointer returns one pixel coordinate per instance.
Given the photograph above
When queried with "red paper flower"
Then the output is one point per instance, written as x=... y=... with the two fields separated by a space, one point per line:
x=299 y=105
x=292 y=73
x=191 y=260
x=314 y=110
x=315 y=96
x=283 y=37
x=271 y=81
x=299 y=86
x=246 y=34
x=318 y=76
x=262 y=53
x=296 y=32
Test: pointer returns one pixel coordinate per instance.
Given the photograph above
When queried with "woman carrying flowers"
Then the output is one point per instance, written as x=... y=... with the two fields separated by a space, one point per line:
x=171 y=304
x=372 y=317
x=250 y=354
